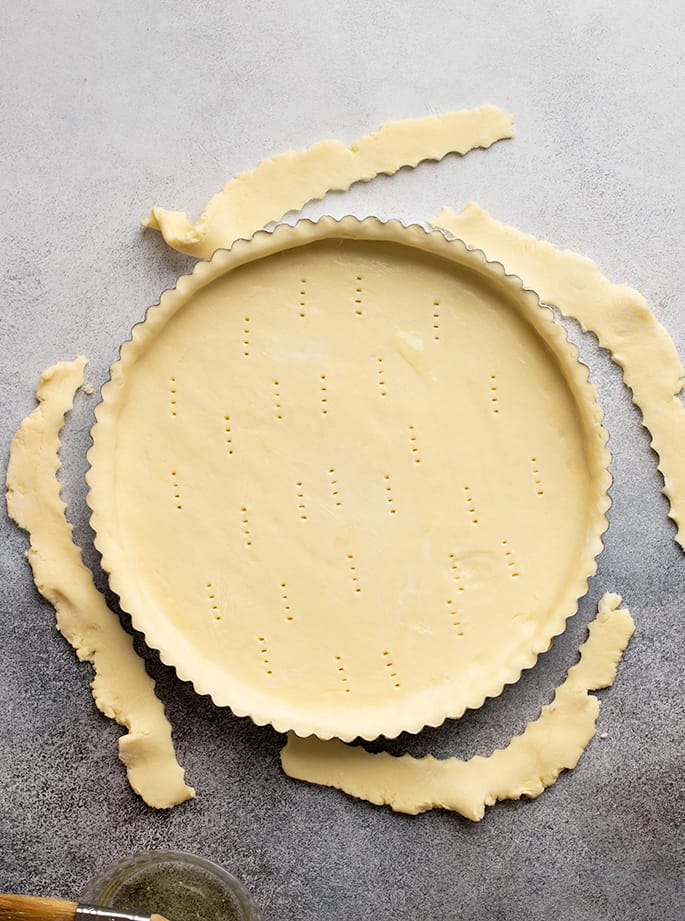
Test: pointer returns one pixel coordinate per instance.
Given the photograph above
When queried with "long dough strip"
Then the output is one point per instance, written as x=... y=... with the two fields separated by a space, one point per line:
x=122 y=689
x=530 y=763
x=617 y=314
x=289 y=180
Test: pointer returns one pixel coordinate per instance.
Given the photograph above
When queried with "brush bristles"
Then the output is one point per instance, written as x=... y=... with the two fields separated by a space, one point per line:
x=34 y=908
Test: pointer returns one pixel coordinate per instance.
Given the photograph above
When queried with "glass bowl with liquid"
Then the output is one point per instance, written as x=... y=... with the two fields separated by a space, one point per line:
x=179 y=886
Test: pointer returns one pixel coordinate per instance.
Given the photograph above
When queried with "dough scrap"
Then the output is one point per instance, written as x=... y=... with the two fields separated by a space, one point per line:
x=289 y=180
x=122 y=689
x=617 y=314
x=387 y=422
x=528 y=765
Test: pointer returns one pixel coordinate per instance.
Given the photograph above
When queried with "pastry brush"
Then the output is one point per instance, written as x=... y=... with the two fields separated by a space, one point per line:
x=37 y=908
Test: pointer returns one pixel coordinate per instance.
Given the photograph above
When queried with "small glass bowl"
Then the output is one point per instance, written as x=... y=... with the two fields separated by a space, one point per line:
x=179 y=886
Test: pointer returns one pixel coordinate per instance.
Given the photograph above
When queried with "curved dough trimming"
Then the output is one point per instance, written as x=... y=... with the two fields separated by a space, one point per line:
x=529 y=764
x=122 y=689
x=287 y=181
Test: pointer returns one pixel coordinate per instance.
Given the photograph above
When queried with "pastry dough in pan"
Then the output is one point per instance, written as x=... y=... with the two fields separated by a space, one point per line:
x=349 y=478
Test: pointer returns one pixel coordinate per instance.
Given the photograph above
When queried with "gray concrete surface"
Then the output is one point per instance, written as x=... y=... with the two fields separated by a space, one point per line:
x=108 y=108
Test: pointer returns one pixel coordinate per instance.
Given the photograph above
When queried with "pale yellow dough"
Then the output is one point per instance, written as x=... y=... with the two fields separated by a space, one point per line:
x=122 y=689
x=289 y=180
x=617 y=314
x=349 y=478
x=530 y=763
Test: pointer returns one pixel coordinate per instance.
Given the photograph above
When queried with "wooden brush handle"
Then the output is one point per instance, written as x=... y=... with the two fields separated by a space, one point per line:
x=38 y=908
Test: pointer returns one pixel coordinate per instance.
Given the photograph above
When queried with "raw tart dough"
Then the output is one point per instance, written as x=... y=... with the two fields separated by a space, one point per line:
x=616 y=313
x=122 y=689
x=528 y=765
x=377 y=483
x=631 y=326
x=289 y=180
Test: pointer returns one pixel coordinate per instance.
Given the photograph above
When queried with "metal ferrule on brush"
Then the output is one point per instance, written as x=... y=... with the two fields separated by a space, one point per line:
x=93 y=913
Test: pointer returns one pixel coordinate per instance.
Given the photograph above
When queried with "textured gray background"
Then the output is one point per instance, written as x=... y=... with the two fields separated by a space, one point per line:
x=108 y=108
